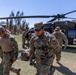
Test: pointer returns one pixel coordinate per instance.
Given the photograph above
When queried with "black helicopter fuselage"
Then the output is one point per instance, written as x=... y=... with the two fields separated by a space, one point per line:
x=68 y=27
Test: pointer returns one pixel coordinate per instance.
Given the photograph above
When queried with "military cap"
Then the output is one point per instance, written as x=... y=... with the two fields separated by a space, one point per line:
x=1 y=29
x=57 y=28
x=38 y=25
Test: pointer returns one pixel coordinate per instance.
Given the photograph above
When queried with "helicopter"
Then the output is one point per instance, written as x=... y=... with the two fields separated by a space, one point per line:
x=68 y=27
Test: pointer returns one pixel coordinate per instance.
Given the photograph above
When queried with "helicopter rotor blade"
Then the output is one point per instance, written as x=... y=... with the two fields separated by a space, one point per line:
x=42 y=16
x=69 y=18
x=69 y=12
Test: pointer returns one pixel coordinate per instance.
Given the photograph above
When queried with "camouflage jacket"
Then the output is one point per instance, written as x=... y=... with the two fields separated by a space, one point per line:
x=15 y=47
x=9 y=44
x=45 y=45
x=61 y=37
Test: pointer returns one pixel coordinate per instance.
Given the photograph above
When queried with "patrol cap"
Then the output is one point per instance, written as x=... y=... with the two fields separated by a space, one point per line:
x=1 y=29
x=38 y=25
x=57 y=28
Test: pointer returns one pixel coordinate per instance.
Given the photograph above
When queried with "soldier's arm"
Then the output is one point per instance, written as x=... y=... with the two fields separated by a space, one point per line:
x=56 y=47
x=32 y=49
x=15 y=47
x=65 y=40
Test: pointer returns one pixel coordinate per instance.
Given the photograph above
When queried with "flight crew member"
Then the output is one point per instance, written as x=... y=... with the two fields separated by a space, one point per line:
x=43 y=45
x=60 y=36
x=10 y=51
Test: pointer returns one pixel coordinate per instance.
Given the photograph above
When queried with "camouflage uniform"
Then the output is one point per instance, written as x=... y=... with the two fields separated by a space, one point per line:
x=43 y=48
x=26 y=36
x=1 y=53
x=10 y=51
x=60 y=37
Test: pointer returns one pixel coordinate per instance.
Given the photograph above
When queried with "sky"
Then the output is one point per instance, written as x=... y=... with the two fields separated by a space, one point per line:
x=37 y=7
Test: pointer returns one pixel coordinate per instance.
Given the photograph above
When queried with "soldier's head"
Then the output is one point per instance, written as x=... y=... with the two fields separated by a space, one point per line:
x=2 y=31
x=39 y=28
x=57 y=29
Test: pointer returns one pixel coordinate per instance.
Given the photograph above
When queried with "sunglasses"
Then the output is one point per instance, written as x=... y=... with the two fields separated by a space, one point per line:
x=37 y=30
x=56 y=30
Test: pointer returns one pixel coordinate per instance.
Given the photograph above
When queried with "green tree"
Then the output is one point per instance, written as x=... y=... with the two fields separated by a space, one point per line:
x=11 y=21
x=17 y=21
x=25 y=25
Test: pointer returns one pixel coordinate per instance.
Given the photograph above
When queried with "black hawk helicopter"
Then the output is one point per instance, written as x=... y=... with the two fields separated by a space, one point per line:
x=69 y=27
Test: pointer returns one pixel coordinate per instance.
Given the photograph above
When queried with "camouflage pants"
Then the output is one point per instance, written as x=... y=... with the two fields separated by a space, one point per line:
x=58 y=55
x=44 y=68
x=7 y=63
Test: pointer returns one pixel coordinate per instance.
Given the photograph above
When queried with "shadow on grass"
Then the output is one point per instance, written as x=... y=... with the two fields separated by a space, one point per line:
x=1 y=70
x=71 y=50
x=64 y=70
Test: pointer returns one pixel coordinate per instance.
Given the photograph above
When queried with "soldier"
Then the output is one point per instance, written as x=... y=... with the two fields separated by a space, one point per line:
x=60 y=37
x=26 y=36
x=1 y=53
x=43 y=45
x=10 y=52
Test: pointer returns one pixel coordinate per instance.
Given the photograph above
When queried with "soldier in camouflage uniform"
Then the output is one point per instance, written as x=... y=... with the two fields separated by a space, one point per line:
x=1 y=53
x=60 y=37
x=25 y=38
x=43 y=45
x=10 y=52
x=26 y=35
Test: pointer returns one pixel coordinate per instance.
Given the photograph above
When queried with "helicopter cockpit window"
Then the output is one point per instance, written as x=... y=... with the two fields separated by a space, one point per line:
x=71 y=33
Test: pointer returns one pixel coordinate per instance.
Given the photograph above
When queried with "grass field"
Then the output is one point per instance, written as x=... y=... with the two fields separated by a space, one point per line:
x=67 y=65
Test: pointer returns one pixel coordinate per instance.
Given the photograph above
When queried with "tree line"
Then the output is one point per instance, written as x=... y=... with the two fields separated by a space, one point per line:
x=16 y=25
